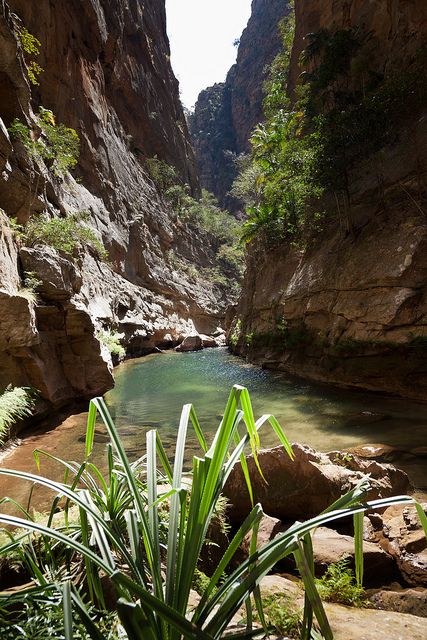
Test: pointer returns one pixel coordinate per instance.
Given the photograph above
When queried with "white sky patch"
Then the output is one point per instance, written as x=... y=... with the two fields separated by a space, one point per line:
x=201 y=34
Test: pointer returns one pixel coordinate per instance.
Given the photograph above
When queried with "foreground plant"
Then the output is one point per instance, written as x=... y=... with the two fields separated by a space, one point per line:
x=138 y=544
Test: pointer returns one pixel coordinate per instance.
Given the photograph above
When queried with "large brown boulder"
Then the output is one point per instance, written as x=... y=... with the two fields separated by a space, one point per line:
x=208 y=342
x=191 y=343
x=301 y=489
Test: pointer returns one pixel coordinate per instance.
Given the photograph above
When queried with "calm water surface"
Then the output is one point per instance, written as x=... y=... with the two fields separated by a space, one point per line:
x=151 y=391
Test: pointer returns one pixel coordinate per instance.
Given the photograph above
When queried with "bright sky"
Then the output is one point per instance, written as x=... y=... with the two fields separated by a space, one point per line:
x=201 y=34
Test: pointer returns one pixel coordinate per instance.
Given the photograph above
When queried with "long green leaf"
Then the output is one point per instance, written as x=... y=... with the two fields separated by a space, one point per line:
x=74 y=496
x=251 y=520
x=312 y=593
x=153 y=518
x=358 y=547
x=307 y=622
x=86 y=619
x=147 y=539
x=175 y=505
x=90 y=428
x=68 y=612
x=422 y=516
x=151 y=603
x=13 y=521
x=135 y=622
x=164 y=458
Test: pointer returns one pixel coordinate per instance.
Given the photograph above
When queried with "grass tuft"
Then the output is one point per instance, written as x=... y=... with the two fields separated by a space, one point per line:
x=16 y=403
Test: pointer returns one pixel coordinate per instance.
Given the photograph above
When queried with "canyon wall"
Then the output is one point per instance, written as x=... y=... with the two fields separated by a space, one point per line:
x=226 y=113
x=351 y=308
x=106 y=73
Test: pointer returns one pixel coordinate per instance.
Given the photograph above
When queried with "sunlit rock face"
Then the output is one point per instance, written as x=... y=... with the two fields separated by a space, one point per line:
x=226 y=113
x=106 y=74
x=351 y=308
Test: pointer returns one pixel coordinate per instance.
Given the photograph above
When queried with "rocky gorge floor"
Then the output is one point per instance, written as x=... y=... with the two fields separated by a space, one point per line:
x=395 y=544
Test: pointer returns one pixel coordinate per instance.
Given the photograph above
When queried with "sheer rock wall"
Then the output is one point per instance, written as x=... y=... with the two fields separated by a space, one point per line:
x=226 y=113
x=106 y=74
x=352 y=308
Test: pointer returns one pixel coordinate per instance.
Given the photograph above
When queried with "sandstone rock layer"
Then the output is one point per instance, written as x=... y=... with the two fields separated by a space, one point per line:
x=350 y=309
x=106 y=73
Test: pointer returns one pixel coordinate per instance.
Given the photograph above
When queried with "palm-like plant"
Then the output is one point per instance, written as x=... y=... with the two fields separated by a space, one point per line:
x=119 y=537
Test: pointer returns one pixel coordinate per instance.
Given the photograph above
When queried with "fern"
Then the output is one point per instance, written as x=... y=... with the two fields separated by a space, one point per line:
x=16 y=403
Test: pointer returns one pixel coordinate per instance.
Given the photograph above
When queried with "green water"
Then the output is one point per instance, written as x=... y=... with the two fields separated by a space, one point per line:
x=150 y=393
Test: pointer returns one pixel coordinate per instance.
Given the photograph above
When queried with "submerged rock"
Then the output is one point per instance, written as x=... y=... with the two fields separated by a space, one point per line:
x=375 y=451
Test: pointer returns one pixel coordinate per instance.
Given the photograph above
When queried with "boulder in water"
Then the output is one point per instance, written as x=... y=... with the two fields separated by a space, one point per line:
x=191 y=343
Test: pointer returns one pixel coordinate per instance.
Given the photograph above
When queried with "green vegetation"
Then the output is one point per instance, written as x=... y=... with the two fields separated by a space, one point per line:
x=207 y=216
x=111 y=339
x=29 y=288
x=31 y=281
x=281 y=337
x=280 y=616
x=15 y=228
x=29 y=43
x=350 y=346
x=339 y=585
x=31 y=46
x=28 y=293
x=343 y=113
x=235 y=333
x=163 y=175
x=56 y=144
x=130 y=563
x=16 y=403
x=220 y=228
x=63 y=234
x=42 y=618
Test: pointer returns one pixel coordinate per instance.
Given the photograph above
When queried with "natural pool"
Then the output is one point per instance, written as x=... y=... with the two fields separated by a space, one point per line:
x=151 y=391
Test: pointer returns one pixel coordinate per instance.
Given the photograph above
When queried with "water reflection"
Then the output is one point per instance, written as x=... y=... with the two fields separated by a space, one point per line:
x=155 y=388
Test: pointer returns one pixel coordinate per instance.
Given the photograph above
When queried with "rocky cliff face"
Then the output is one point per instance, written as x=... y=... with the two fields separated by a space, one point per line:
x=351 y=309
x=107 y=75
x=226 y=113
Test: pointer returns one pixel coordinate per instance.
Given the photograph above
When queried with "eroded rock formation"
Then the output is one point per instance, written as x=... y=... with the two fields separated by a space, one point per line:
x=351 y=307
x=106 y=74
x=226 y=113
